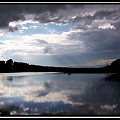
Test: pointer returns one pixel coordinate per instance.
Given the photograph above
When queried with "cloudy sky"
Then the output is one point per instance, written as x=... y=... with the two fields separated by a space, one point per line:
x=60 y=34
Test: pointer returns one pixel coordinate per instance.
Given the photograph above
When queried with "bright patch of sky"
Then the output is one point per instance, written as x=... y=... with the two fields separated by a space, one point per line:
x=50 y=28
x=58 y=28
x=35 y=28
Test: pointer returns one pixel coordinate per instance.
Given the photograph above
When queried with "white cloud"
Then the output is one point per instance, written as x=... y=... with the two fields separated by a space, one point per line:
x=19 y=47
x=50 y=38
x=41 y=44
x=98 y=62
x=106 y=26
x=24 y=28
x=60 y=43
x=109 y=107
x=73 y=31
x=33 y=27
x=20 y=22
x=2 y=33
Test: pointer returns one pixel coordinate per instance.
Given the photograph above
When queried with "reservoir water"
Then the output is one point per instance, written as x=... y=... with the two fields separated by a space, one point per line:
x=58 y=94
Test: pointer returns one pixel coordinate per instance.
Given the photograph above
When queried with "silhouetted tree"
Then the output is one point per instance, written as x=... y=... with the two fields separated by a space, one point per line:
x=9 y=65
x=9 y=62
x=2 y=63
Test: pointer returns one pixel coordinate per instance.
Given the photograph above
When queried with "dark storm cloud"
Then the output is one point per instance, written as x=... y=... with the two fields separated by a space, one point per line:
x=102 y=40
x=101 y=30
x=112 y=15
x=59 y=13
x=9 y=13
x=93 y=21
x=98 y=40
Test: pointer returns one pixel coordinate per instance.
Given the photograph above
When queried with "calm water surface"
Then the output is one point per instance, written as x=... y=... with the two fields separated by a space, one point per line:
x=58 y=94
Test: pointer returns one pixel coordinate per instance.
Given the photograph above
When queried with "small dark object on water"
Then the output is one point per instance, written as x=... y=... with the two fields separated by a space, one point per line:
x=69 y=73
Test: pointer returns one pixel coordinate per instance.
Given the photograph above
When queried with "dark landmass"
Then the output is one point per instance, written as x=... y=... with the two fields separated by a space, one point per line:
x=113 y=77
x=10 y=66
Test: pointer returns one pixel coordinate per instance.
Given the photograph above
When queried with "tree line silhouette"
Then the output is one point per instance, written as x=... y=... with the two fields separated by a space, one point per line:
x=10 y=66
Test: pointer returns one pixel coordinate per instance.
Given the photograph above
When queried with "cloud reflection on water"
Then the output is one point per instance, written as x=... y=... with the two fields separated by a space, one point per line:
x=44 y=94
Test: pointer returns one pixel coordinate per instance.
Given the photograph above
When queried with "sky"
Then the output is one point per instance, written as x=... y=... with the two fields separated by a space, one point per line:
x=80 y=35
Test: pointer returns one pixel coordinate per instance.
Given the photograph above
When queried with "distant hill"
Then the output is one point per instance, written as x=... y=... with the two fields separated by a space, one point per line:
x=116 y=63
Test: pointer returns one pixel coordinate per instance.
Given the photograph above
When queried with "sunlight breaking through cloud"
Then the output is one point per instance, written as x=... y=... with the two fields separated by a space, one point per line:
x=42 y=30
